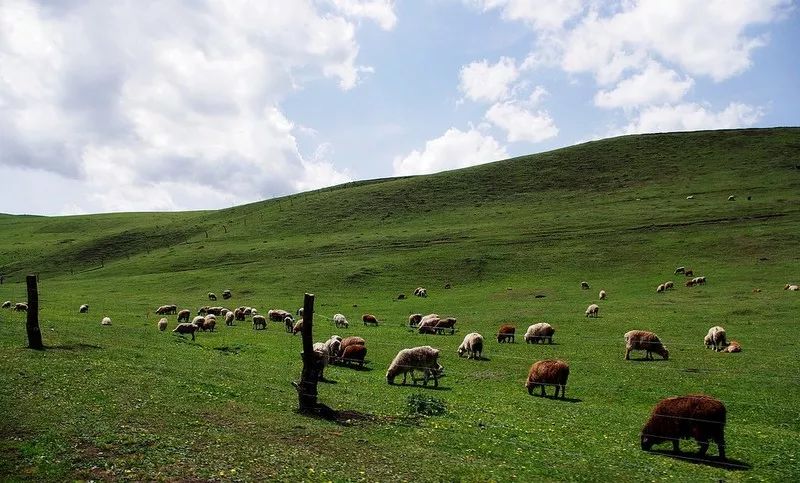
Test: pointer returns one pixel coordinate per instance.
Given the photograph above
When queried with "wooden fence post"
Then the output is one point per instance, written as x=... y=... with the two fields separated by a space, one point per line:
x=307 y=389
x=32 y=323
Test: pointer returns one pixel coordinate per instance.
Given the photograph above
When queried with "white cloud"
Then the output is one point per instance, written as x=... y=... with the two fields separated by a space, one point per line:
x=540 y=14
x=653 y=85
x=480 y=81
x=454 y=149
x=692 y=117
x=381 y=11
x=181 y=115
x=521 y=124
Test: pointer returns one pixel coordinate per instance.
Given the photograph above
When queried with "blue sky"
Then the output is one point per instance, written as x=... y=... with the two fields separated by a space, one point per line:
x=171 y=105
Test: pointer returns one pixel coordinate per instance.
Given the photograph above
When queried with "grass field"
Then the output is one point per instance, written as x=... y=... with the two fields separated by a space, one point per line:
x=128 y=402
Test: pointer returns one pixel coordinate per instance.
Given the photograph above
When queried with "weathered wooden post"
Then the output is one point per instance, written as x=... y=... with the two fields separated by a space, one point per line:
x=32 y=323
x=307 y=389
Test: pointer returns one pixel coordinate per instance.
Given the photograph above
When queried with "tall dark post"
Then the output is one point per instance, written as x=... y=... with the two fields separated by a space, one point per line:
x=307 y=390
x=32 y=324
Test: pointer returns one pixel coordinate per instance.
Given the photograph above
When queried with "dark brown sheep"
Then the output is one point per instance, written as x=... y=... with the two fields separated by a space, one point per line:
x=226 y=294
x=369 y=319
x=210 y=323
x=549 y=372
x=695 y=416
x=506 y=333
x=414 y=320
x=354 y=354
x=642 y=340
x=212 y=296
x=427 y=326
x=352 y=340
x=238 y=314
x=445 y=324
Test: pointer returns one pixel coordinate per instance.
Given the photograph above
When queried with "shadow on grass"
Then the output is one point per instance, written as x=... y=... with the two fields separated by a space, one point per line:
x=714 y=462
x=73 y=347
x=645 y=359
x=354 y=367
x=564 y=399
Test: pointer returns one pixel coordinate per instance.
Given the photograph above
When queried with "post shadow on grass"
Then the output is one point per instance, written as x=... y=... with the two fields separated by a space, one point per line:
x=73 y=347
x=554 y=398
x=645 y=359
x=712 y=461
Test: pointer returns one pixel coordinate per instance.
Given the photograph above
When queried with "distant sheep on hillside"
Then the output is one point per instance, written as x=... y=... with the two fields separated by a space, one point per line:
x=369 y=319
x=791 y=288
x=83 y=309
x=259 y=322
x=6 y=304
x=288 y=322
x=20 y=307
x=226 y=294
x=421 y=292
x=680 y=270
x=212 y=296
x=660 y=288
x=106 y=321
x=669 y=285
x=602 y=295
x=413 y=319
x=734 y=346
x=585 y=285
x=183 y=315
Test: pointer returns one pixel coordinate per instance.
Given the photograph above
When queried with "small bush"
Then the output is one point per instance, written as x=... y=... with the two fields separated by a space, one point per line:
x=426 y=405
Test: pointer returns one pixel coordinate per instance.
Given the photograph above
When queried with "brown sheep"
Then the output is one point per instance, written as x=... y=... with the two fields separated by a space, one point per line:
x=185 y=328
x=163 y=310
x=669 y=285
x=183 y=315
x=401 y=296
x=354 y=354
x=413 y=319
x=203 y=310
x=298 y=327
x=695 y=416
x=369 y=319
x=83 y=309
x=277 y=315
x=259 y=322
x=210 y=323
x=642 y=340
x=734 y=346
x=506 y=333
x=352 y=340
x=445 y=324
x=216 y=310
x=585 y=285
x=549 y=372
x=427 y=325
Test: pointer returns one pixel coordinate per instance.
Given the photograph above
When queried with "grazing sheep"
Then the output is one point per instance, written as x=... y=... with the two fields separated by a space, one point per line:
x=688 y=273
x=163 y=310
x=669 y=285
x=210 y=322
x=226 y=294
x=339 y=320
x=584 y=285
x=791 y=288
x=592 y=310
x=6 y=304
x=731 y=198
x=184 y=315
x=602 y=295
x=660 y=288
x=259 y=322
x=680 y=270
x=369 y=319
x=321 y=357
x=691 y=283
x=162 y=324
x=472 y=345
x=448 y=323
x=695 y=416
x=212 y=296
x=401 y=296
x=238 y=314
x=354 y=354
x=506 y=333
x=276 y=315
x=413 y=319
x=549 y=372
x=185 y=328
x=106 y=321
x=83 y=309
x=758 y=290
x=428 y=317
x=218 y=311
x=699 y=280
x=423 y=358
x=427 y=325
x=334 y=346
x=421 y=292
x=690 y=197
x=642 y=340
x=734 y=346
x=288 y=322
x=203 y=310
x=248 y=311
x=229 y=317
x=198 y=321
x=298 y=327
x=349 y=341
x=20 y=307
x=716 y=338
x=539 y=333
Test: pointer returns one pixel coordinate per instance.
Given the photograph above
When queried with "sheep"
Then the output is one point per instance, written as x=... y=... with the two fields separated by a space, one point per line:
x=688 y=273
x=288 y=322
x=660 y=288
x=162 y=310
x=602 y=295
x=584 y=285
x=248 y=311
x=259 y=322
x=472 y=345
x=427 y=318
x=549 y=372
x=539 y=333
x=791 y=288
x=20 y=307
x=198 y=321
x=321 y=357
x=203 y=310
x=229 y=317
x=731 y=198
x=162 y=324
x=173 y=309
x=369 y=319
x=6 y=304
x=401 y=296
x=350 y=341
x=506 y=333
x=715 y=338
x=218 y=311
x=413 y=319
x=333 y=345
x=691 y=283
x=106 y=321
x=734 y=346
x=186 y=328
x=699 y=280
x=680 y=270
x=669 y=285
x=226 y=294
x=298 y=327
x=184 y=315
x=238 y=314
x=592 y=310
x=421 y=292
x=682 y=417
x=690 y=197
x=300 y=311
x=212 y=296
x=339 y=320
x=642 y=340
x=83 y=309
x=209 y=323
x=427 y=325
x=423 y=358
x=445 y=324
x=757 y=290
x=353 y=354
x=276 y=315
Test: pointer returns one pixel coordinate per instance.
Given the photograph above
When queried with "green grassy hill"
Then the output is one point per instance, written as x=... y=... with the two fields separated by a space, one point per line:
x=129 y=402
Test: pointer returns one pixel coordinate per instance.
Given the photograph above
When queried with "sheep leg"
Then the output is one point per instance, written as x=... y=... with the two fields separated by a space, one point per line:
x=627 y=354
x=544 y=393
x=720 y=440
x=558 y=386
x=192 y=335
x=676 y=445
x=703 y=447
x=530 y=389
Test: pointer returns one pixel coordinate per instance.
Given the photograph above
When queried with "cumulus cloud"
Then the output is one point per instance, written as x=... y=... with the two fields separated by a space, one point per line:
x=521 y=124
x=692 y=117
x=454 y=149
x=540 y=14
x=154 y=113
x=654 y=85
x=481 y=81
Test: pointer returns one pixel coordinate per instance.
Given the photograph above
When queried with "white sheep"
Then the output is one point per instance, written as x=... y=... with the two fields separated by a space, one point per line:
x=162 y=324
x=603 y=295
x=716 y=338
x=669 y=285
x=585 y=285
x=105 y=321
x=539 y=332
x=791 y=288
x=690 y=197
x=472 y=345
x=229 y=316
x=423 y=358
x=731 y=198
x=321 y=356
x=6 y=304
x=660 y=288
x=340 y=321
x=83 y=309
x=592 y=310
